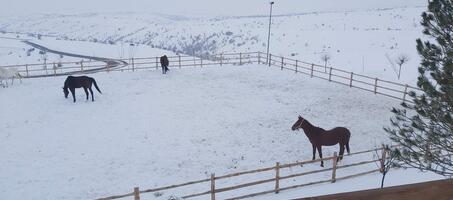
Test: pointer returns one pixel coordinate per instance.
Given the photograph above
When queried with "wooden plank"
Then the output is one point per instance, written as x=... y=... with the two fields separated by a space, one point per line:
x=196 y=195
x=277 y=177
x=334 y=166
x=296 y=66
x=405 y=92
x=330 y=74
x=245 y=172
x=375 y=85
x=175 y=186
x=136 y=193
x=305 y=173
x=213 y=191
x=244 y=185
x=350 y=82
x=282 y=63
x=312 y=65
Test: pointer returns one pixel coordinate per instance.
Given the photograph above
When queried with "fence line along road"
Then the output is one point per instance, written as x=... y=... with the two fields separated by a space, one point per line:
x=277 y=177
x=371 y=84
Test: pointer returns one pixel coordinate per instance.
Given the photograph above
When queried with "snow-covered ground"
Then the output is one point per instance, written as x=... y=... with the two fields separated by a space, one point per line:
x=361 y=40
x=150 y=130
x=14 y=52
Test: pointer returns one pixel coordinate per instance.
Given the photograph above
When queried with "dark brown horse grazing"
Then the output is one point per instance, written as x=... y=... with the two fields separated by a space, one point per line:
x=73 y=82
x=319 y=137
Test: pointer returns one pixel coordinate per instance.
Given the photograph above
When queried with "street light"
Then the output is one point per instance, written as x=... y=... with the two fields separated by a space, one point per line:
x=269 y=33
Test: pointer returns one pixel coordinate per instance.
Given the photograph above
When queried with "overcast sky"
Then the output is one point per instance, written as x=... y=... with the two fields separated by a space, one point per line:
x=195 y=7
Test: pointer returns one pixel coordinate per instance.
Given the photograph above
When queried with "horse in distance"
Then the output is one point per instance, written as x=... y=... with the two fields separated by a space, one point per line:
x=319 y=137
x=85 y=82
x=9 y=73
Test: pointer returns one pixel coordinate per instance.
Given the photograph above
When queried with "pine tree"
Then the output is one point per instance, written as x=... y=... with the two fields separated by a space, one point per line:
x=424 y=129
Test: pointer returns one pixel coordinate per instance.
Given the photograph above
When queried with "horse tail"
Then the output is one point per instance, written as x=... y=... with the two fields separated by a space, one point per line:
x=96 y=85
x=347 y=147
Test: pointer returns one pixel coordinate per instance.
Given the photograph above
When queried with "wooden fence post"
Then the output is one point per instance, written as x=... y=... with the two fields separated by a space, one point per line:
x=54 y=69
x=240 y=58
x=45 y=66
x=26 y=69
x=201 y=62
x=334 y=167
x=330 y=74
x=384 y=156
x=259 y=57
x=375 y=85
x=270 y=58
x=136 y=193
x=311 y=75
x=350 y=82
x=405 y=92
x=133 y=67
x=221 y=59
x=282 y=63
x=81 y=65
x=157 y=61
x=296 y=66
x=277 y=177
x=212 y=186
x=179 y=61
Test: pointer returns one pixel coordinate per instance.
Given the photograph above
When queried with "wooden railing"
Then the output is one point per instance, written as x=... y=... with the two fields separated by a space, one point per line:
x=132 y=64
x=214 y=190
x=346 y=78
x=339 y=76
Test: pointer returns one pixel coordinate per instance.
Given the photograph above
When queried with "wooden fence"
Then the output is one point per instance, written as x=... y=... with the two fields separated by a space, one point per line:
x=350 y=79
x=277 y=178
x=132 y=64
x=346 y=78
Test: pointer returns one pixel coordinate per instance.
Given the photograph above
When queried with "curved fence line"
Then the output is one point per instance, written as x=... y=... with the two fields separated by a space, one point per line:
x=377 y=86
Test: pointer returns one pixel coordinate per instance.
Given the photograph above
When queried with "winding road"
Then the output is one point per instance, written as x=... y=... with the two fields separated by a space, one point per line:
x=110 y=63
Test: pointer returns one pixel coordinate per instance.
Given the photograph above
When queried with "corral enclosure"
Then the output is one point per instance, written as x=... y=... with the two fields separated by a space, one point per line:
x=150 y=130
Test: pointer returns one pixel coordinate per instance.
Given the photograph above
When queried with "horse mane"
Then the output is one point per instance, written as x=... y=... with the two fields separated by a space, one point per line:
x=311 y=128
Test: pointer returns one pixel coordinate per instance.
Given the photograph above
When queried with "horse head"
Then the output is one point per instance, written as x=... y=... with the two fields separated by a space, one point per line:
x=298 y=124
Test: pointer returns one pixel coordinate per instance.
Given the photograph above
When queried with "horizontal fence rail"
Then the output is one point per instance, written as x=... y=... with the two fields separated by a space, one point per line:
x=276 y=179
x=371 y=84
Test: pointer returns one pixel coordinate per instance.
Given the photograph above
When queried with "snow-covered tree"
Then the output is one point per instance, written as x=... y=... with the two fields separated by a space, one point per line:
x=425 y=129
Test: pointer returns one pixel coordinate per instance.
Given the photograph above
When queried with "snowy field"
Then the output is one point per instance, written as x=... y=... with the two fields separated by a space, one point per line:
x=151 y=130
x=14 y=52
x=362 y=40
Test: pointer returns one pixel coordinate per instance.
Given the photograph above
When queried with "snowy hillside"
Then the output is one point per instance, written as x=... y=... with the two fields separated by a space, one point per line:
x=363 y=41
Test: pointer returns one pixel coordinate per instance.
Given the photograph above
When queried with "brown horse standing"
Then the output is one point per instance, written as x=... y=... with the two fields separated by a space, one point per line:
x=319 y=137
x=85 y=82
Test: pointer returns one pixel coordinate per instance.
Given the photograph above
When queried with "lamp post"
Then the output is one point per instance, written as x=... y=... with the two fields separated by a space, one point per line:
x=269 y=33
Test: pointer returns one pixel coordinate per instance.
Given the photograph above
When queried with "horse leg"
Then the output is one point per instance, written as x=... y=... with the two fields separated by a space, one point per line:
x=320 y=154
x=86 y=92
x=314 y=151
x=92 y=96
x=347 y=147
x=341 y=152
x=73 y=93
